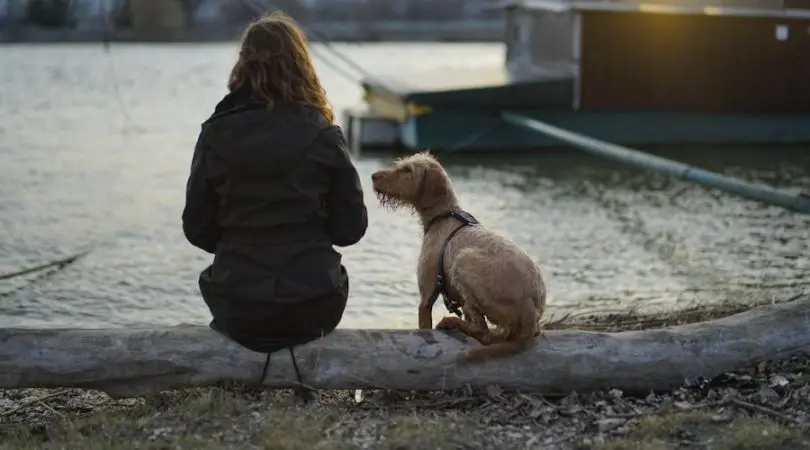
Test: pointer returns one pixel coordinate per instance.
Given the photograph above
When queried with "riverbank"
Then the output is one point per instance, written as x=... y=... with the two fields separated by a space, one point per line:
x=380 y=31
x=760 y=407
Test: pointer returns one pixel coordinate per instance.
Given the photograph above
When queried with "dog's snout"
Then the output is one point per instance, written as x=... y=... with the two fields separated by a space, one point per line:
x=376 y=176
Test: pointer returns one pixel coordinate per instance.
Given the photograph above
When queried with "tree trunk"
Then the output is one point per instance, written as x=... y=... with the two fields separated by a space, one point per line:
x=134 y=362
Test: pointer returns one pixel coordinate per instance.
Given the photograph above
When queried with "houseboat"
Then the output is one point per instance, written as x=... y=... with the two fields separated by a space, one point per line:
x=628 y=73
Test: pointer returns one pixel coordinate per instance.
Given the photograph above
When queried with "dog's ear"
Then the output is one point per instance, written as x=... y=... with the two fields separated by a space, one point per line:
x=434 y=186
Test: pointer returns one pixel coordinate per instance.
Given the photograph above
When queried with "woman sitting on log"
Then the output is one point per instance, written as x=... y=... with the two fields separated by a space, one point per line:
x=271 y=190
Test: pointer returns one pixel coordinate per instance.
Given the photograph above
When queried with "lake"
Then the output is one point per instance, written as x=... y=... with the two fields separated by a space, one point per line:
x=95 y=150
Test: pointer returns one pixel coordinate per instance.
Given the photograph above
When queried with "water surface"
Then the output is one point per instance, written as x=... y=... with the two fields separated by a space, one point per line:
x=95 y=149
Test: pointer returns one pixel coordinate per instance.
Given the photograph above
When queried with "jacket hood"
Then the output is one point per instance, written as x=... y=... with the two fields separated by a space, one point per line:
x=254 y=140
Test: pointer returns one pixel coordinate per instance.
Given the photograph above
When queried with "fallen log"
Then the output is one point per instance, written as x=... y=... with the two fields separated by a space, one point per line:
x=135 y=362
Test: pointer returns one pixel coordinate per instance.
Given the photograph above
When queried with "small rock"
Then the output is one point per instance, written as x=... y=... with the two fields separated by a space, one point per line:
x=621 y=431
x=724 y=415
x=616 y=393
x=767 y=395
x=468 y=389
x=779 y=381
x=570 y=400
x=682 y=405
x=685 y=435
x=493 y=390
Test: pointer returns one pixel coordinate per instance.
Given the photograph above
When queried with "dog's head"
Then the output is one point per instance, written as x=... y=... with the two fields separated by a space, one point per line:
x=417 y=181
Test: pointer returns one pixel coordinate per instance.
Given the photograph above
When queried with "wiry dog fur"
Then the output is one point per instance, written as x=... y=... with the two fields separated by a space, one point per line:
x=491 y=277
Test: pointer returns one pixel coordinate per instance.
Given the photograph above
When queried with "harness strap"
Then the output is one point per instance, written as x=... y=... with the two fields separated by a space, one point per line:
x=466 y=220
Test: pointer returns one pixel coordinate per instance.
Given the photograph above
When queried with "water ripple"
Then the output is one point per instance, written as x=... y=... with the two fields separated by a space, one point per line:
x=81 y=168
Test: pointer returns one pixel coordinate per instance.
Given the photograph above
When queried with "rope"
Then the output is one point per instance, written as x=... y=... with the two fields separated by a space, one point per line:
x=341 y=71
x=107 y=42
x=60 y=263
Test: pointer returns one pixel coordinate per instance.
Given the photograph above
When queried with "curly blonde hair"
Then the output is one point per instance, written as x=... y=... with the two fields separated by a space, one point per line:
x=274 y=65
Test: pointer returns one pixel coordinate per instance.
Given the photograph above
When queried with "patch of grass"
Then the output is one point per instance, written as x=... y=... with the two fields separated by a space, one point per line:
x=104 y=431
x=758 y=434
x=634 y=444
x=218 y=418
x=429 y=433
x=302 y=428
x=743 y=433
x=671 y=425
x=198 y=419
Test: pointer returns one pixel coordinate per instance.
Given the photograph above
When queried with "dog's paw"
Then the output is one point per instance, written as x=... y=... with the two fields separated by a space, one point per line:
x=463 y=358
x=447 y=323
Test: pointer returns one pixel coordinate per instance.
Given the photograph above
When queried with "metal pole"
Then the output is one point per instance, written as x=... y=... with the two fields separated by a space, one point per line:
x=752 y=191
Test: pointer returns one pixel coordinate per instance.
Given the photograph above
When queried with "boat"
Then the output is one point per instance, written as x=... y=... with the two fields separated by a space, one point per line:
x=633 y=74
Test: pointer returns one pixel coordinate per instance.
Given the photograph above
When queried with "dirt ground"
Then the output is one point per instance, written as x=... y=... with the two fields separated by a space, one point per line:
x=760 y=407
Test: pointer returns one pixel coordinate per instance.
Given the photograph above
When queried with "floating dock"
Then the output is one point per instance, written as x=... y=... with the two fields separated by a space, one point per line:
x=630 y=74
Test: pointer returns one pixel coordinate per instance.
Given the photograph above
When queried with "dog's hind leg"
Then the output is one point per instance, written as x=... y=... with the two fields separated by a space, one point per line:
x=519 y=338
x=451 y=322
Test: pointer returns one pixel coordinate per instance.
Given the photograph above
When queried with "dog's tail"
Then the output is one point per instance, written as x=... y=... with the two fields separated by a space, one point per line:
x=520 y=338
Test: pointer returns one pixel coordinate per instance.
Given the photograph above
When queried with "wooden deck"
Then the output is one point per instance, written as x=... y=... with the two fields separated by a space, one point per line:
x=457 y=79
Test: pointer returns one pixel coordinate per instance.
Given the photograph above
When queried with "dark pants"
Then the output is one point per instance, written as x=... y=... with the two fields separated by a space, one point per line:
x=287 y=325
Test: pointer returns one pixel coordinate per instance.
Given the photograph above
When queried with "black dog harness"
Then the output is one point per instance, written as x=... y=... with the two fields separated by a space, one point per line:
x=466 y=220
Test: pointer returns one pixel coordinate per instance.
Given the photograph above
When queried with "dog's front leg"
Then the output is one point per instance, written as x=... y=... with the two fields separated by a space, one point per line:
x=425 y=314
x=426 y=281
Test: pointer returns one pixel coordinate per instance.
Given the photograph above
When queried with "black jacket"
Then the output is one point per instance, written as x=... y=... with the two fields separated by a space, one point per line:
x=270 y=192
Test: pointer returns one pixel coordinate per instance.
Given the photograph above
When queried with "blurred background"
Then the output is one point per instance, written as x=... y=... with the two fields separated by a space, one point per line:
x=216 y=20
x=100 y=106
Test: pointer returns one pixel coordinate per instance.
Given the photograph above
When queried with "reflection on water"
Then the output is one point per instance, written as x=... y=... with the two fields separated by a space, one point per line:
x=78 y=170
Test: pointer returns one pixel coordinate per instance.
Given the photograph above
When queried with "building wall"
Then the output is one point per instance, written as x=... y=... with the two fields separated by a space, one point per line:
x=694 y=63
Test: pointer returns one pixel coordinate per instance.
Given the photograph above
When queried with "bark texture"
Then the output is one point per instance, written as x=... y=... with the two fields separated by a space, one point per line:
x=134 y=362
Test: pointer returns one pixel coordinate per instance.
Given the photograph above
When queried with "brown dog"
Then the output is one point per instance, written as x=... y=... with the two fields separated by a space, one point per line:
x=490 y=277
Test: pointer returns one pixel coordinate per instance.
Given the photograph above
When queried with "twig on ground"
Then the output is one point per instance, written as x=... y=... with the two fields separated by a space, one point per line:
x=58 y=413
x=661 y=411
x=28 y=403
x=559 y=322
x=564 y=439
x=764 y=410
x=369 y=383
x=628 y=405
x=728 y=401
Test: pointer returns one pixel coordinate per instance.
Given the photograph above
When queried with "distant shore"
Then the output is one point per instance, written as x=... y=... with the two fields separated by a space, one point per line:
x=461 y=31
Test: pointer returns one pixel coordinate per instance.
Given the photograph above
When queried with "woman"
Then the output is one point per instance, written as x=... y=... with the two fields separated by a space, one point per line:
x=271 y=190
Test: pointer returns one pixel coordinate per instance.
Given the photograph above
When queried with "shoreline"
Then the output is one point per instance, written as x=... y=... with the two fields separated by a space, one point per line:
x=760 y=407
x=454 y=31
